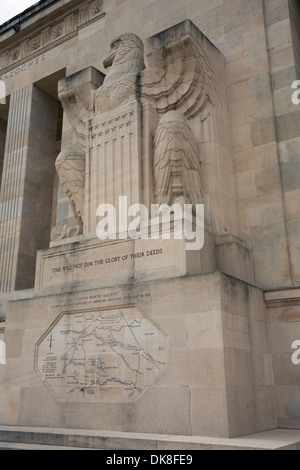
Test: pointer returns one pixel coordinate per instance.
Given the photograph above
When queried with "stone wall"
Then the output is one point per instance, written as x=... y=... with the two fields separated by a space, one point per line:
x=225 y=351
x=295 y=18
x=284 y=340
x=255 y=38
x=216 y=380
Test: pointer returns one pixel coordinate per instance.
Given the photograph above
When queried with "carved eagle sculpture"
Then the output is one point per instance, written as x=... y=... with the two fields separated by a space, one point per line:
x=77 y=102
x=126 y=59
x=70 y=166
x=176 y=162
x=177 y=77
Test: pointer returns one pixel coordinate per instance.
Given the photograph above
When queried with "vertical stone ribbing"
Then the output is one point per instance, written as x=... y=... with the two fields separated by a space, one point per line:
x=115 y=156
x=27 y=185
x=11 y=190
x=2 y=145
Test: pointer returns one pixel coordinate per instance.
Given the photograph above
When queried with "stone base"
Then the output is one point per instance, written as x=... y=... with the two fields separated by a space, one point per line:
x=80 y=264
x=205 y=337
x=24 y=438
x=284 y=331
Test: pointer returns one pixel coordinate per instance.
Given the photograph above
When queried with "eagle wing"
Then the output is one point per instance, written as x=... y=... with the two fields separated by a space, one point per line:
x=76 y=94
x=174 y=145
x=70 y=166
x=191 y=170
x=162 y=167
x=178 y=74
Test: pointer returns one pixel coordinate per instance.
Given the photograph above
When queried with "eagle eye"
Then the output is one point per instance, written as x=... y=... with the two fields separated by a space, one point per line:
x=116 y=44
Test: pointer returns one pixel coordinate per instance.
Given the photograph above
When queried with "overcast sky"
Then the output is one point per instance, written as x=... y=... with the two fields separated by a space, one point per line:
x=11 y=8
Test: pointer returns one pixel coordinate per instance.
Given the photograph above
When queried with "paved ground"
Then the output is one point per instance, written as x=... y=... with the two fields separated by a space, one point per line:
x=14 y=437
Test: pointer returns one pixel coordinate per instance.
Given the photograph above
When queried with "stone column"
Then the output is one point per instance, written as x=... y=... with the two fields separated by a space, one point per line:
x=2 y=145
x=276 y=243
x=294 y=10
x=26 y=190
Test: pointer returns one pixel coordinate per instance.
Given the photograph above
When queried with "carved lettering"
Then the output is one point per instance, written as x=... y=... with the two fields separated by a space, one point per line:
x=24 y=67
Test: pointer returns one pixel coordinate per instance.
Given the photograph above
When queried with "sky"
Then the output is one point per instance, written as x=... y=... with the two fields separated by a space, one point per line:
x=11 y=8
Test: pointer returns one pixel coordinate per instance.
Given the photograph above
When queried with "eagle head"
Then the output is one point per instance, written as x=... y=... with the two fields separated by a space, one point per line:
x=125 y=48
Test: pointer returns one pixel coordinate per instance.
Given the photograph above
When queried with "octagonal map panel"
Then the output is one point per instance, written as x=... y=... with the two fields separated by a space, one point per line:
x=101 y=356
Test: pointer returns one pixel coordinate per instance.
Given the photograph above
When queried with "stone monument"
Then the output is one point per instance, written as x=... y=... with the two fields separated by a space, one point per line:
x=137 y=331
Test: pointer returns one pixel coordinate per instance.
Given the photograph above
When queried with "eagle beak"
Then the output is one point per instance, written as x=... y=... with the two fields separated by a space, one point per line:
x=109 y=59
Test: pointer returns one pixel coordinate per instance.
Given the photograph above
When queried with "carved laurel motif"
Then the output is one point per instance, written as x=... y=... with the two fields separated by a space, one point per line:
x=15 y=55
x=97 y=8
x=57 y=32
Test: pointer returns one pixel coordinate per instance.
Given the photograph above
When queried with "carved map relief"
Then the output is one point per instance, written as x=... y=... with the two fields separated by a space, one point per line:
x=98 y=356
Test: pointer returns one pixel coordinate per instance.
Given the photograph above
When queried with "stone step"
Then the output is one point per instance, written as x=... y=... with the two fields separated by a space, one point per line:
x=20 y=446
x=34 y=438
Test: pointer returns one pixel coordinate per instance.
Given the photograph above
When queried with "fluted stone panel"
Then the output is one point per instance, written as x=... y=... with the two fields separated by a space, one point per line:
x=26 y=190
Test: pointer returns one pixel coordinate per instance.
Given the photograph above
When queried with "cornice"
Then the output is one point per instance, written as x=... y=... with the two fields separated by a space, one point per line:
x=284 y=298
x=46 y=37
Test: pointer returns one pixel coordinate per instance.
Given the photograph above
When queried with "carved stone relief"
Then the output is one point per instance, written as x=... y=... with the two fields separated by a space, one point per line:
x=178 y=83
x=176 y=162
x=52 y=35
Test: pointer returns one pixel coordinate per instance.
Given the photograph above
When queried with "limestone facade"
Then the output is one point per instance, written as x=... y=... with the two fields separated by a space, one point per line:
x=230 y=312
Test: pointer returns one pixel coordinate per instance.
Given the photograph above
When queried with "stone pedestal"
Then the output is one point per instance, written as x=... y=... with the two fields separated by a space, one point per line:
x=185 y=356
